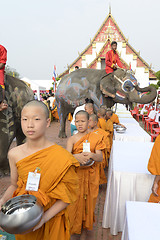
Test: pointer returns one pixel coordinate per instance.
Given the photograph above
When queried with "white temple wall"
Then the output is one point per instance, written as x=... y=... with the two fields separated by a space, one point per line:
x=99 y=46
x=89 y=59
x=84 y=63
x=134 y=65
x=98 y=65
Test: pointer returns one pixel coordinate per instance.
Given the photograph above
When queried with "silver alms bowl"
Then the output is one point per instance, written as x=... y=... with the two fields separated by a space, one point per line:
x=20 y=214
x=88 y=164
x=120 y=129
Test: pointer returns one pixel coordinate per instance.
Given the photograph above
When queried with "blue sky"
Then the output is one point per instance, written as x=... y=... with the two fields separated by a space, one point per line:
x=39 y=34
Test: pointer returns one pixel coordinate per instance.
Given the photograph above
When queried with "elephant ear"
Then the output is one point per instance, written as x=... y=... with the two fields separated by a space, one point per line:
x=107 y=86
x=84 y=82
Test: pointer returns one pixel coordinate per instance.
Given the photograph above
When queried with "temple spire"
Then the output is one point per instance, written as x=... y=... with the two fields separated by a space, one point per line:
x=109 y=8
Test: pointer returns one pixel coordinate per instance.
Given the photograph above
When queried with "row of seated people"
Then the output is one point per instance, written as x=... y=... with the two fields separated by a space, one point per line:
x=150 y=117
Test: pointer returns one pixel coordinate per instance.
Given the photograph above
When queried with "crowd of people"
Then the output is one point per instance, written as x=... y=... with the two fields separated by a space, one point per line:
x=68 y=186
x=69 y=178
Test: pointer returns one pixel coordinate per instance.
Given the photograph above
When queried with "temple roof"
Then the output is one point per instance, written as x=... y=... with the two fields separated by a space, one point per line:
x=109 y=31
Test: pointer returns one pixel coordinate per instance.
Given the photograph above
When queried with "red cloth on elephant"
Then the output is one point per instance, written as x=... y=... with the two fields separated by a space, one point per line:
x=111 y=59
x=3 y=59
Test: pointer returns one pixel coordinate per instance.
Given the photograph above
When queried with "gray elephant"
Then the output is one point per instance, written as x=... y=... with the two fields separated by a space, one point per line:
x=118 y=87
x=17 y=94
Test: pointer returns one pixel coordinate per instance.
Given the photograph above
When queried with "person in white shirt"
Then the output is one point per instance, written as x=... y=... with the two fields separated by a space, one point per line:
x=82 y=107
x=51 y=99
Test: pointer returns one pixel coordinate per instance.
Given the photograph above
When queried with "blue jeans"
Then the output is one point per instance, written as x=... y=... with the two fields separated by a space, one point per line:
x=73 y=128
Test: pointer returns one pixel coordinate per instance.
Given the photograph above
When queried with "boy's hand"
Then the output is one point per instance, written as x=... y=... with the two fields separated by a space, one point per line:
x=82 y=158
x=155 y=188
x=88 y=155
x=40 y=224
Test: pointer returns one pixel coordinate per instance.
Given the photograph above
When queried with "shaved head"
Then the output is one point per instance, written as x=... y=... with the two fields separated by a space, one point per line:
x=109 y=112
x=40 y=104
x=82 y=112
x=94 y=117
x=89 y=105
x=102 y=112
x=103 y=106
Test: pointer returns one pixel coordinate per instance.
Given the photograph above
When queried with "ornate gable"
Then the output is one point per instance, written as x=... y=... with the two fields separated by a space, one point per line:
x=93 y=54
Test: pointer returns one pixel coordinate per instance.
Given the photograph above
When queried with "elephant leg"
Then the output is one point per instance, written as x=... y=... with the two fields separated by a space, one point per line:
x=62 y=117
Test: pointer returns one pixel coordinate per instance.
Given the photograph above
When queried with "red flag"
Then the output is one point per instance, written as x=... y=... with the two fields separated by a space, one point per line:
x=54 y=78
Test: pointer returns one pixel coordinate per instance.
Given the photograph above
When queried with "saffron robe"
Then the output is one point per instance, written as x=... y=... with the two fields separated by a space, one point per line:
x=55 y=112
x=3 y=59
x=81 y=213
x=106 y=153
x=102 y=124
x=111 y=59
x=110 y=130
x=58 y=181
x=114 y=118
x=154 y=166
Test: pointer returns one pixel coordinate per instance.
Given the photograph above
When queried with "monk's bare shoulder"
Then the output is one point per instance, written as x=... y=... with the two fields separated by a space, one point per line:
x=16 y=153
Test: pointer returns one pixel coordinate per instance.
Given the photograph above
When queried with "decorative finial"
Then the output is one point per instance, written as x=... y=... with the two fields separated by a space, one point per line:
x=109 y=8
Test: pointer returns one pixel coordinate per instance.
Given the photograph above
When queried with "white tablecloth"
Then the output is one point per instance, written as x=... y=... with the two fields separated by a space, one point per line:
x=133 y=133
x=124 y=115
x=119 y=108
x=142 y=221
x=128 y=120
x=128 y=180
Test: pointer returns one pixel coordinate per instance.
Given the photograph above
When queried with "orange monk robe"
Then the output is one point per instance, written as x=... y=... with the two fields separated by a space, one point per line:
x=110 y=130
x=58 y=181
x=102 y=123
x=106 y=152
x=114 y=118
x=70 y=117
x=154 y=167
x=81 y=213
x=55 y=112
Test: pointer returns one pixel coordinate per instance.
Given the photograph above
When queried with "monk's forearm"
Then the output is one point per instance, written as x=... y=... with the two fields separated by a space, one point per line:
x=97 y=157
x=55 y=209
x=157 y=179
x=8 y=194
x=78 y=156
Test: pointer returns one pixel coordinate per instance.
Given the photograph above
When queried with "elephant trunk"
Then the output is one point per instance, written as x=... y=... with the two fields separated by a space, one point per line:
x=150 y=95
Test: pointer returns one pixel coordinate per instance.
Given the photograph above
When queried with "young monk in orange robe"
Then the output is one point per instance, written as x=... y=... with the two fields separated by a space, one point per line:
x=81 y=213
x=114 y=118
x=101 y=113
x=58 y=186
x=93 y=119
x=54 y=111
x=109 y=125
x=154 y=168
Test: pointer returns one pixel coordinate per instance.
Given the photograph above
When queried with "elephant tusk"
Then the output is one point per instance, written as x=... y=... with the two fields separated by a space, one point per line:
x=106 y=93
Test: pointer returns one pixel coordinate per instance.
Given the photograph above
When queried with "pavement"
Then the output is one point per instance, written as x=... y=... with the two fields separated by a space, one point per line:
x=98 y=232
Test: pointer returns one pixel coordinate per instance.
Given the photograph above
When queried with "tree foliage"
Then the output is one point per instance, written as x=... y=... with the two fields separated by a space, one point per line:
x=154 y=85
x=158 y=75
x=12 y=72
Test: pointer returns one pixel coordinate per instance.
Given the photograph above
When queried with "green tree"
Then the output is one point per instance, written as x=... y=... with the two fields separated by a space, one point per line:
x=154 y=85
x=158 y=83
x=158 y=75
x=12 y=72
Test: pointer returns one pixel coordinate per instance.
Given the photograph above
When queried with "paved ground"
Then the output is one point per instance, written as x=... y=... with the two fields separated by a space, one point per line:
x=99 y=232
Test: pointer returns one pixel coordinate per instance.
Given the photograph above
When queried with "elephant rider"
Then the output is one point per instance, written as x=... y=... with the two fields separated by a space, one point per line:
x=3 y=59
x=112 y=59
